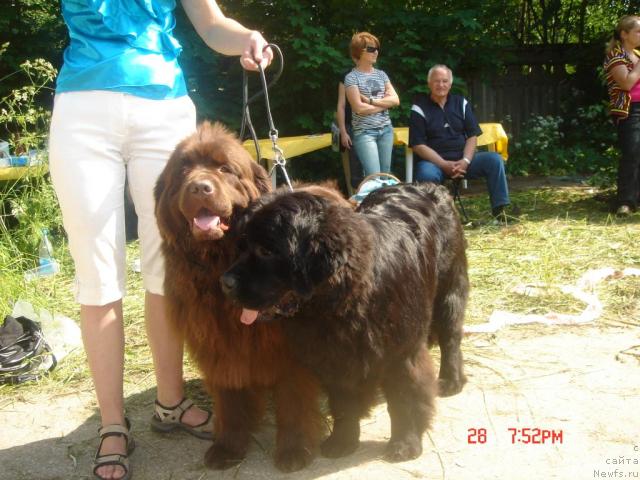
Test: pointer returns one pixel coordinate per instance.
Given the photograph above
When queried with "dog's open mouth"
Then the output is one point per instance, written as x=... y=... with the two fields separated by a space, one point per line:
x=206 y=221
x=287 y=307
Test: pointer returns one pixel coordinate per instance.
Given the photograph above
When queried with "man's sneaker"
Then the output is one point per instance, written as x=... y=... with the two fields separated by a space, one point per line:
x=505 y=214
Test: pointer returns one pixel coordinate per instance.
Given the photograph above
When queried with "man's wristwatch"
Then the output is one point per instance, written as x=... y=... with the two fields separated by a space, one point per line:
x=370 y=100
x=467 y=160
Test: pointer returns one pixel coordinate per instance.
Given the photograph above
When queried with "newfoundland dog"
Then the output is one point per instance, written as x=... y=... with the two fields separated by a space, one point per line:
x=207 y=182
x=360 y=295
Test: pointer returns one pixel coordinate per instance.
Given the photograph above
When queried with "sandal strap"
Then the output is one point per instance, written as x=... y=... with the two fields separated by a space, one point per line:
x=115 y=430
x=111 y=430
x=112 y=459
x=173 y=414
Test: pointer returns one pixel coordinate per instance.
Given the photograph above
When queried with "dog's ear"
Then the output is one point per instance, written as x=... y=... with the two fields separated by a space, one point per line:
x=166 y=210
x=261 y=178
x=314 y=266
x=317 y=255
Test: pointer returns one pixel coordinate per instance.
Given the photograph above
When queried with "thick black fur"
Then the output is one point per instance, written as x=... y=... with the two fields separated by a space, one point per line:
x=359 y=294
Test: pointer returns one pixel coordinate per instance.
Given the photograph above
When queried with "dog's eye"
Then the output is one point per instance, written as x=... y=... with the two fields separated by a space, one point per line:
x=226 y=169
x=263 y=252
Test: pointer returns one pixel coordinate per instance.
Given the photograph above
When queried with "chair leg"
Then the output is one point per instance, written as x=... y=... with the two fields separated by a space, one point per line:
x=347 y=171
x=456 y=197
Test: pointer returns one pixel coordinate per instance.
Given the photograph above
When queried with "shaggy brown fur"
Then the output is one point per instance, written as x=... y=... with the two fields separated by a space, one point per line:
x=358 y=294
x=209 y=179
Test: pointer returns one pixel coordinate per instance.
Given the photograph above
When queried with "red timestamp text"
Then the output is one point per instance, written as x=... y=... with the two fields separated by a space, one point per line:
x=537 y=436
x=524 y=435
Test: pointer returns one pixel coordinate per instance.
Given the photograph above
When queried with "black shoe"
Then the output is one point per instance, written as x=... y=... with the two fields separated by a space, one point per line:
x=505 y=214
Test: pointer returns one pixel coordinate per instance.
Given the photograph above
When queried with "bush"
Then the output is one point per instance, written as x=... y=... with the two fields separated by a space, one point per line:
x=577 y=143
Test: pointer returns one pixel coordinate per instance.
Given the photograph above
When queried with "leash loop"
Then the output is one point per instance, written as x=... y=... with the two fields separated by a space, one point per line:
x=278 y=153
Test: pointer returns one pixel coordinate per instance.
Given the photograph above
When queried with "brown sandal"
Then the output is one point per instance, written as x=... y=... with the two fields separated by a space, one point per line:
x=167 y=419
x=119 y=459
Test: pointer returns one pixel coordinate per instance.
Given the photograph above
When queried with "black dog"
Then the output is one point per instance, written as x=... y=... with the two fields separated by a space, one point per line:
x=359 y=294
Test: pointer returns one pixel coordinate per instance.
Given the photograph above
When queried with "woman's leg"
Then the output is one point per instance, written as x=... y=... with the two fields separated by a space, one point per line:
x=367 y=149
x=88 y=174
x=629 y=141
x=385 y=148
x=167 y=351
x=161 y=125
x=103 y=338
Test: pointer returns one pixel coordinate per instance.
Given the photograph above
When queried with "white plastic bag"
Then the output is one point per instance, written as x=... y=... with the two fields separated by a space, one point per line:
x=60 y=332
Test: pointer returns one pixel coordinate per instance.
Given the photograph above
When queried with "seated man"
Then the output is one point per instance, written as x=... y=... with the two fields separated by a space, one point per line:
x=443 y=134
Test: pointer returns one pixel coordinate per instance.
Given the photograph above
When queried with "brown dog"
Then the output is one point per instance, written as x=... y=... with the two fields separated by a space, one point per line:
x=209 y=179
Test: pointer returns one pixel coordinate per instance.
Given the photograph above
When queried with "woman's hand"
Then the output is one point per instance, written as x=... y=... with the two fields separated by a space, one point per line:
x=253 y=53
x=345 y=140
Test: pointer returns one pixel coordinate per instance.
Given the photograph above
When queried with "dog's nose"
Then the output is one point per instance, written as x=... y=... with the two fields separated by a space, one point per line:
x=201 y=187
x=229 y=284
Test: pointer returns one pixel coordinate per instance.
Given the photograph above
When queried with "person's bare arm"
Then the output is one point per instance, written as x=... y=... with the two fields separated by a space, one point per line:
x=355 y=99
x=429 y=154
x=345 y=139
x=460 y=166
x=624 y=78
x=390 y=98
x=225 y=35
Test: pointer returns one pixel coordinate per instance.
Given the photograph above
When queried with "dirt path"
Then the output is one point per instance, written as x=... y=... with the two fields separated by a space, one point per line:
x=573 y=381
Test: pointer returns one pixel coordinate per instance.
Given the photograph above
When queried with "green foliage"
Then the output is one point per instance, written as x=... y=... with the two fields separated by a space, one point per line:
x=580 y=143
x=23 y=121
x=29 y=29
x=539 y=149
x=26 y=205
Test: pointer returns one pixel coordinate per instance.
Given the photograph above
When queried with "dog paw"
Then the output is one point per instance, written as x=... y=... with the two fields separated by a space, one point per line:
x=219 y=457
x=403 y=450
x=451 y=386
x=293 y=459
x=334 y=446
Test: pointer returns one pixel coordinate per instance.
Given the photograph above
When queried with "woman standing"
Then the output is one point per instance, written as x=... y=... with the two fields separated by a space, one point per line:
x=370 y=95
x=121 y=107
x=622 y=67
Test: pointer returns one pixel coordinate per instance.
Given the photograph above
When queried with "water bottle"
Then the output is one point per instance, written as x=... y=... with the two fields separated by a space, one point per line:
x=45 y=254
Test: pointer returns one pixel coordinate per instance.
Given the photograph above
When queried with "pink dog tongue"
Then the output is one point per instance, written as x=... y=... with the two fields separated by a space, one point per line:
x=206 y=222
x=248 y=316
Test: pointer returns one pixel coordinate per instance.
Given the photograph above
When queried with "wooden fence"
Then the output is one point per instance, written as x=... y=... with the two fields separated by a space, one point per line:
x=536 y=81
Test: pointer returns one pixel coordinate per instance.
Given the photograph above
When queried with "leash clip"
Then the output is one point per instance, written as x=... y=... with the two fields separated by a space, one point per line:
x=279 y=161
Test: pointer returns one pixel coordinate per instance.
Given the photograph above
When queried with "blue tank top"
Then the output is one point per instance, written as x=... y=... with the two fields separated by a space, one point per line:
x=122 y=45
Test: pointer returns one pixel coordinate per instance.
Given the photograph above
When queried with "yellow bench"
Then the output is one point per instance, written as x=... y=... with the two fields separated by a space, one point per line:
x=290 y=146
x=493 y=136
x=16 y=173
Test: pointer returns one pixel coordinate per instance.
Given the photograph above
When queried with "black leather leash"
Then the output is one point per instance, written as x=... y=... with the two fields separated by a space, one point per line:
x=278 y=154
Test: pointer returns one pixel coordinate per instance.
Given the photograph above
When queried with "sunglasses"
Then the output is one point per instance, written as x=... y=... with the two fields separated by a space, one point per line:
x=371 y=49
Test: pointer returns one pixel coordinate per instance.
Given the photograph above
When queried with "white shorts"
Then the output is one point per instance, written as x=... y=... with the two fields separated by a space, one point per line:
x=96 y=139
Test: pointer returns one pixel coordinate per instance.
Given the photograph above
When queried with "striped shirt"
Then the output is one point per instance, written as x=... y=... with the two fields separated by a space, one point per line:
x=619 y=99
x=370 y=85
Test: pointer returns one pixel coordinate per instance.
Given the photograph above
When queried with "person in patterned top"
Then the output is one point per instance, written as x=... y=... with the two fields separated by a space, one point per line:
x=371 y=95
x=622 y=68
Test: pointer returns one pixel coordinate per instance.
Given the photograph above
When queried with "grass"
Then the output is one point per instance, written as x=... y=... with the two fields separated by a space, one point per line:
x=563 y=232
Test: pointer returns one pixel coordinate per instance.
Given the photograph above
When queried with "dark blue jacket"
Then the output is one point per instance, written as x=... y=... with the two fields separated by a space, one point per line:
x=445 y=130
